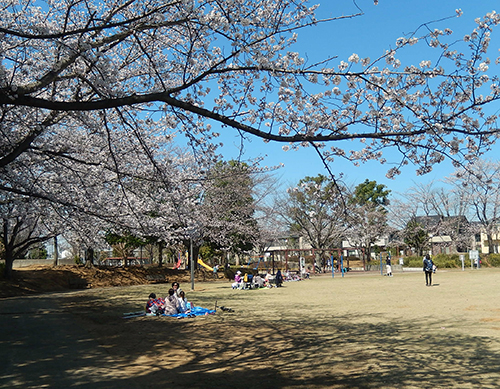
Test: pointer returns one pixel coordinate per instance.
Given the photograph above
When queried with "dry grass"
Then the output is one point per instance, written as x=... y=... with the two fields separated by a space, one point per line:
x=361 y=331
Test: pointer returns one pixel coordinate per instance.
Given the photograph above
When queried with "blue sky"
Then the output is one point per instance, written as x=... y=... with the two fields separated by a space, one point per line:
x=368 y=35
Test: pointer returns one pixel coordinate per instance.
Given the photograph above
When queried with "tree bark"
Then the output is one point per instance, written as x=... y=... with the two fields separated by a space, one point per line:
x=9 y=262
x=161 y=245
x=56 y=253
x=89 y=257
x=491 y=248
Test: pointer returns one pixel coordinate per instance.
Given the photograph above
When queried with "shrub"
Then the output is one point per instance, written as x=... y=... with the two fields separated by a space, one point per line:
x=413 y=261
x=447 y=261
x=491 y=260
x=442 y=261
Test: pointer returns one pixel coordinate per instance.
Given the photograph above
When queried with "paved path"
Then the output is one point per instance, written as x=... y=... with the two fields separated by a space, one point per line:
x=43 y=346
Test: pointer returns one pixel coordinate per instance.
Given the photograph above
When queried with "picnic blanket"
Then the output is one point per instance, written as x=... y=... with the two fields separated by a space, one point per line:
x=195 y=311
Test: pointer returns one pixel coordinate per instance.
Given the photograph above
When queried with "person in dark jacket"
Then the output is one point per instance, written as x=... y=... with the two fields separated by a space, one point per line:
x=428 y=267
x=279 y=278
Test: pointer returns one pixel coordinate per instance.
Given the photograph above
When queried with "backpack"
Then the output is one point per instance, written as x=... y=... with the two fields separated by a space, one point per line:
x=428 y=265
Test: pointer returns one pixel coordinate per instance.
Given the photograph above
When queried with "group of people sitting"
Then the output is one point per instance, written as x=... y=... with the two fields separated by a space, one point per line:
x=175 y=302
x=249 y=281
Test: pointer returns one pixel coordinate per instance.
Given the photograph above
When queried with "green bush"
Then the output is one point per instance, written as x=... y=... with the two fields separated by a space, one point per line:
x=447 y=261
x=413 y=261
x=442 y=261
x=491 y=260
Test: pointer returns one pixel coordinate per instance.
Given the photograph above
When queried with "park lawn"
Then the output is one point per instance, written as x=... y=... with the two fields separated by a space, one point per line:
x=359 y=331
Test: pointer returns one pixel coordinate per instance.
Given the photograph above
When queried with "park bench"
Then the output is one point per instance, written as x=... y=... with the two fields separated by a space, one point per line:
x=79 y=283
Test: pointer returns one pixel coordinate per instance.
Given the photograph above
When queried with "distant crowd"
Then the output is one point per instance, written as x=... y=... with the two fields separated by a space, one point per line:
x=249 y=281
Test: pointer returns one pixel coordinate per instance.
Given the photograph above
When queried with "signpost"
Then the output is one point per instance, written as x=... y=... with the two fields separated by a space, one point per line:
x=474 y=258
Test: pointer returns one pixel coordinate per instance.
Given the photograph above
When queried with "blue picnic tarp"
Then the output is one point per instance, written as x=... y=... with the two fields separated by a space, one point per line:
x=195 y=311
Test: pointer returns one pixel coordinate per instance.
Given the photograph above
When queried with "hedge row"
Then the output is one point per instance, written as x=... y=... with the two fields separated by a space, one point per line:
x=453 y=260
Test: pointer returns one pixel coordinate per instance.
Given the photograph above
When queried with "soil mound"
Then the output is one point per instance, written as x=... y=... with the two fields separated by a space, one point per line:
x=41 y=279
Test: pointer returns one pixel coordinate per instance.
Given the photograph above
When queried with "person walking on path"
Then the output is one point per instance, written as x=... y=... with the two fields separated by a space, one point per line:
x=428 y=268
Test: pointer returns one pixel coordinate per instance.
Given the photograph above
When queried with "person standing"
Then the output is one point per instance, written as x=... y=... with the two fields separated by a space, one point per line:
x=388 y=267
x=279 y=278
x=428 y=267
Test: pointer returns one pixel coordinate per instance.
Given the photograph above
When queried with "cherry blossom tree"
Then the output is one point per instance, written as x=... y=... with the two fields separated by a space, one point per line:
x=92 y=92
x=440 y=212
x=24 y=225
x=123 y=66
x=479 y=187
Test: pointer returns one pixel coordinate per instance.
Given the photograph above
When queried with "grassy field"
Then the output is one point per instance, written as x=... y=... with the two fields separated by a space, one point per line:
x=360 y=331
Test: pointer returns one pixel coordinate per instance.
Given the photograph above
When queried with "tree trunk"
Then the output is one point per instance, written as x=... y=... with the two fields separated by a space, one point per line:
x=491 y=248
x=9 y=261
x=317 y=262
x=9 y=254
x=56 y=253
x=161 y=245
x=89 y=257
x=368 y=251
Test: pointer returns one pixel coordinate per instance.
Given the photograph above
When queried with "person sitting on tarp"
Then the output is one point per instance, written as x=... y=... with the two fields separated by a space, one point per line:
x=177 y=288
x=237 y=280
x=249 y=280
x=155 y=305
x=183 y=306
x=171 y=303
x=258 y=282
x=269 y=280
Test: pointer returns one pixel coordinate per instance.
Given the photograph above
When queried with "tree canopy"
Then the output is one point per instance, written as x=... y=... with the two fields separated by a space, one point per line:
x=135 y=66
x=92 y=94
x=315 y=209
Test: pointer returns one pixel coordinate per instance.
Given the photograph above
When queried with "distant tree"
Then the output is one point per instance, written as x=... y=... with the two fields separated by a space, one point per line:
x=315 y=209
x=123 y=244
x=479 y=186
x=25 y=224
x=368 y=215
x=442 y=211
x=228 y=204
x=416 y=237
x=39 y=251
x=372 y=194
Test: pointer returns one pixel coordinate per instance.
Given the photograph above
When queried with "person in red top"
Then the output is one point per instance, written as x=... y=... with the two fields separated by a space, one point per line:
x=155 y=305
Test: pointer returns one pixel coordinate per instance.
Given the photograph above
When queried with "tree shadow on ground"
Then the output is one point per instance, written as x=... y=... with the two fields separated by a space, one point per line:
x=253 y=349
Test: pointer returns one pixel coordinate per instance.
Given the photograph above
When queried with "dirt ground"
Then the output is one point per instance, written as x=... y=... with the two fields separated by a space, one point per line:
x=40 y=279
x=360 y=331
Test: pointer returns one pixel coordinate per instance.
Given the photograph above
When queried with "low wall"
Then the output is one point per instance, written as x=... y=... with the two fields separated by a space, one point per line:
x=397 y=268
x=29 y=262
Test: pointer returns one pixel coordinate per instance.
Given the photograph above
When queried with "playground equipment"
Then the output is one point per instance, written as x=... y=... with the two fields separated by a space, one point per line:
x=178 y=264
x=200 y=262
x=252 y=261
